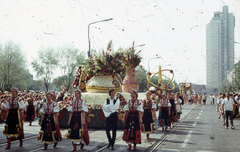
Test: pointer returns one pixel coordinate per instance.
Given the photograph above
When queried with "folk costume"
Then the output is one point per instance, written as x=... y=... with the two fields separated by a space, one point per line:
x=75 y=130
x=173 y=113
x=132 y=127
x=164 y=110
x=110 y=110
x=30 y=112
x=49 y=133
x=14 y=125
x=148 y=125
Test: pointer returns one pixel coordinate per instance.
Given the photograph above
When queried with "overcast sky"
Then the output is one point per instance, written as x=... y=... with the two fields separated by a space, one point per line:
x=174 y=30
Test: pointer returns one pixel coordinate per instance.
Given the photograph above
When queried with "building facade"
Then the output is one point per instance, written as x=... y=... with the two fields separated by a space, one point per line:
x=219 y=48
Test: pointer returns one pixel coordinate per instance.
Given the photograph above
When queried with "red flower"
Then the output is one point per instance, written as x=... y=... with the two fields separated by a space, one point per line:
x=149 y=73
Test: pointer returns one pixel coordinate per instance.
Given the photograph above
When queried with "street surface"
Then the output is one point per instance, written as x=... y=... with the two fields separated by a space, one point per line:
x=198 y=130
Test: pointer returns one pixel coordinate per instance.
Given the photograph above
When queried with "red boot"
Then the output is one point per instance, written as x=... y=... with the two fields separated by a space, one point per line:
x=135 y=147
x=74 y=147
x=129 y=147
x=9 y=143
x=147 y=136
x=45 y=146
x=21 y=143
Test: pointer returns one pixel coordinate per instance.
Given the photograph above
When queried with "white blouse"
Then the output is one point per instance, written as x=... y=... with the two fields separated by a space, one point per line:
x=49 y=108
x=77 y=105
x=137 y=106
x=161 y=101
x=15 y=103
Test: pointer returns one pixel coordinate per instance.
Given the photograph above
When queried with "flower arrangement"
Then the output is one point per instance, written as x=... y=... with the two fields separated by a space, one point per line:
x=110 y=62
x=132 y=59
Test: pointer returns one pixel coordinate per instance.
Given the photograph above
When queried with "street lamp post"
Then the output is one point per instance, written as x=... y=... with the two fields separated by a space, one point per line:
x=88 y=33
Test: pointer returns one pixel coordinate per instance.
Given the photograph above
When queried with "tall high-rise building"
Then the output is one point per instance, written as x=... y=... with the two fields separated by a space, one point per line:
x=219 y=48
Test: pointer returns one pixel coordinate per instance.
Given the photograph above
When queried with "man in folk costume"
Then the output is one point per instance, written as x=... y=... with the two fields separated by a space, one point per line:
x=133 y=112
x=77 y=109
x=50 y=131
x=14 y=125
x=14 y=116
x=110 y=110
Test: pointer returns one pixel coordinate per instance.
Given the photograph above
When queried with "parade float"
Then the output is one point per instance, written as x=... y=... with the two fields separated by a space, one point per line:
x=185 y=88
x=102 y=72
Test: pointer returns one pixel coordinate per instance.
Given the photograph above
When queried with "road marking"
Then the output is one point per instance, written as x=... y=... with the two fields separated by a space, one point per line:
x=187 y=139
x=197 y=117
x=194 y=124
x=200 y=113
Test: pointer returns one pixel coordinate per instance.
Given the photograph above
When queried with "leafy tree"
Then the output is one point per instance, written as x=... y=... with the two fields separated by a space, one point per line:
x=13 y=72
x=69 y=60
x=236 y=77
x=225 y=88
x=140 y=74
x=45 y=66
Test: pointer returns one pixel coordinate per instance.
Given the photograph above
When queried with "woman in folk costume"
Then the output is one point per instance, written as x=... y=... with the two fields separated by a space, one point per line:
x=50 y=131
x=178 y=103
x=164 y=112
x=133 y=112
x=30 y=110
x=173 y=113
x=14 y=124
x=77 y=109
x=149 y=115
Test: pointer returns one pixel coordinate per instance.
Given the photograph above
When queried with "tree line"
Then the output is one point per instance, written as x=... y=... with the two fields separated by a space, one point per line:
x=64 y=59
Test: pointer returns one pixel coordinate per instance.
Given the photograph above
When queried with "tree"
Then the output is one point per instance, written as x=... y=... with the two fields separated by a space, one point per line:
x=225 y=88
x=140 y=74
x=13 y=72
x=45 y=65
x=69 y=60
x=236 y=77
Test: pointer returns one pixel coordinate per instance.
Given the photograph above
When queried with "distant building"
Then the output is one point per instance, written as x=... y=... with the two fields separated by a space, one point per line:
x=199 y=88
x=219 y=48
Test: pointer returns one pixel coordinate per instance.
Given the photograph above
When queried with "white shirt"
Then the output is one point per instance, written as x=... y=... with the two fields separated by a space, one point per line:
x=110 y=108
x=228 y=104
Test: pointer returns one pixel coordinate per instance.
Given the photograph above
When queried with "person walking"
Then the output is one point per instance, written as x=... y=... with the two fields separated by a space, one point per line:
x=178 y=102
x=173 y=113
x=149 y=115
x=14 y=123
x=164 y=112
x=227 y=106
x=110 y=110
x=133 y=113
x=50 y=131
x=77 y=109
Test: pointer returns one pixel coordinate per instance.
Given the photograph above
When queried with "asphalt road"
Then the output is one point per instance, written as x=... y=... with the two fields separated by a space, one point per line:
x=199 y=130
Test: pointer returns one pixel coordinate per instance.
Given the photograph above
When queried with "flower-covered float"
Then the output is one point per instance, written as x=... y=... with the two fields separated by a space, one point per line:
x=103 y=71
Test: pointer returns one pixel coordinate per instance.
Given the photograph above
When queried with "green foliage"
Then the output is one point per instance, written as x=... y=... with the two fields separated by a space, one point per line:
x=69 y=60
x=225 y=88
x=236 y=77
x=45 y=65
x=13 y=72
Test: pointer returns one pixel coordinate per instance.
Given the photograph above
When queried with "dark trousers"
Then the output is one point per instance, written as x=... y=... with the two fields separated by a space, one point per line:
x=227 y=114
x=213 y=101
x=111 y=123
